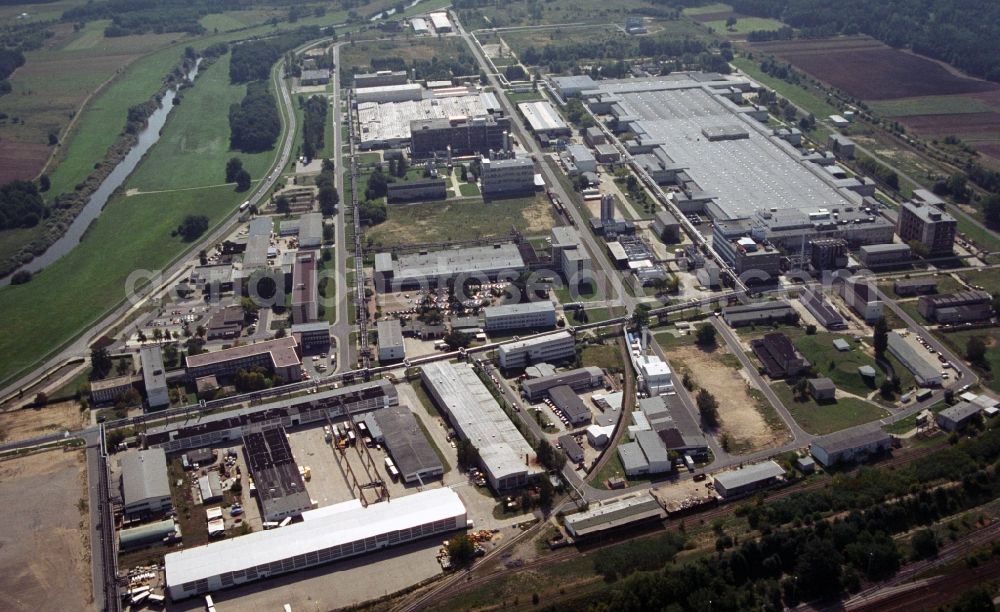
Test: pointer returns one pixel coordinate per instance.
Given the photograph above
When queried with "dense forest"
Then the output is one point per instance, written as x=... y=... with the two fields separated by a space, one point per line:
x=818 y=544
x=314 y=120
x=959 y=32
x=254 y=122
x=10 y=60
x=252 y=61
x=130 y=17
x=20 y=205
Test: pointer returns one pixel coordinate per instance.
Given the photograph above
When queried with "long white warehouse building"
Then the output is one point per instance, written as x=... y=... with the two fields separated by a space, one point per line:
x=476 y=416
x=337 y=532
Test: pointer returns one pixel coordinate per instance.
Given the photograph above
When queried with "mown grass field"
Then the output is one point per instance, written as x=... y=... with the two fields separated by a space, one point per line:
x=195 y=143
x=745 y=25
x=462 y=220
x=826 y=418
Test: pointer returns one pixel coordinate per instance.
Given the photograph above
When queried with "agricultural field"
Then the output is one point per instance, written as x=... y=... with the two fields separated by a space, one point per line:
x=55 y=82
x=870 y=70
x=462 y=220
x=928 y=97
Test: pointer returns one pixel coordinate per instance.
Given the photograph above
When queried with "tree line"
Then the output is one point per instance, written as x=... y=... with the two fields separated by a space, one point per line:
x=252 y=61
x=131 y=17
x=614 y=47
x=952 y=31
x=254 y=123
x=313 y=124
x=816 y=545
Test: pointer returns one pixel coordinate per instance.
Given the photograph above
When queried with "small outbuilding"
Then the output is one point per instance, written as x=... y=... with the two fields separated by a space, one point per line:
x=822 y=389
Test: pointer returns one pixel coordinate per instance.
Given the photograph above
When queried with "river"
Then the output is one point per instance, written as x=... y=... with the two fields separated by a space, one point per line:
x=146 y=139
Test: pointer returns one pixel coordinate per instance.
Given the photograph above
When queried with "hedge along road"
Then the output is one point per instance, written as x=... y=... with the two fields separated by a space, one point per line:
x=132 y=233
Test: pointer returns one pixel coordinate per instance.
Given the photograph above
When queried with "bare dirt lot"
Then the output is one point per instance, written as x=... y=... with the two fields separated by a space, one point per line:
x=30 y=422
x=44 y=553
x=737 y=409
x=870 y=70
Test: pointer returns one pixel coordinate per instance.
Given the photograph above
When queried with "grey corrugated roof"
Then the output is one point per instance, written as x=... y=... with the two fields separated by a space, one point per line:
x=960 y=411
x=406 y=441
x=749 y=475
x=855 y=437
x=144 y=475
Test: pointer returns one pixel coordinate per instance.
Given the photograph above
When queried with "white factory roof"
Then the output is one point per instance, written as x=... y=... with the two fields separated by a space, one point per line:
x=542 y=116
x=745 y=174
x=391 y=120
x=516 y=309
x=749 y=475
x=536 y=341
x=440 y=21
x=349 y=525
x=419 y=24
x=457 y=261
x=477 y=416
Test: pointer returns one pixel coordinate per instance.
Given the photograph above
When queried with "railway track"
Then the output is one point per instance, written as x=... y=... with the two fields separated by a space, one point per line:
x=454 y=585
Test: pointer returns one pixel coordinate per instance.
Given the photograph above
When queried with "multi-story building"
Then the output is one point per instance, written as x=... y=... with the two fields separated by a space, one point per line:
x=389 y=93
x=154 y=376
x=580 y=158
x=380 y=78
x=279 y=355
x=928 y=225
x=312 y=337
x=305 y=305
x=507 y=175
x=885 y=255
x=280 y=488
x=544 y=349
x=460 y=135
x=572 y=257
x=732 y=241
x=828 y=253
x=110 y=389
x=860 y=295
x=390 y=341
x=956 y=307
x=666 y=226
x=532 y=315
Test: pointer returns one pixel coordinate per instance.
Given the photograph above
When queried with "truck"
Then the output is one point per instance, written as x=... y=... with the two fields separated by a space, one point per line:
x=393 y=473
x=389 y=464
x=244 y=206
x=923 y=394
x=284 y=523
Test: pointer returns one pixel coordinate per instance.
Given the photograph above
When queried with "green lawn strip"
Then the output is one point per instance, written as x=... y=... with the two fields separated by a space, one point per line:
x=904 y=425
x=840 y=367
x=745 y=25
x=801 y=97
x=718 y=7
x=910 y=308
x=822 y=419
x=468 y=189
x=605 y=356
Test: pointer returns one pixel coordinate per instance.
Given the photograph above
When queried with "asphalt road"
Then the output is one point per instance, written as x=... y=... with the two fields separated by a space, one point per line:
x=597 y=251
